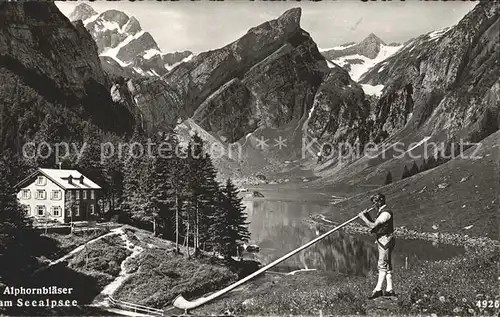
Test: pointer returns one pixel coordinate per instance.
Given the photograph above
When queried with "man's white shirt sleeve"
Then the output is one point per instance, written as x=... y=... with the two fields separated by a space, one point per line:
x=383 y=217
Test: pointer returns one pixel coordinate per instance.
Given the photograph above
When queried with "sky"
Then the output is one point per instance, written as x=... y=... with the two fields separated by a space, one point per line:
x=204 y=25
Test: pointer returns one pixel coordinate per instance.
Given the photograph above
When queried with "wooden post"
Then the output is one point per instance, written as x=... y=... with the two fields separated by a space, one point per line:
x=197 y=233
x=187 y=238
x=176 y=221
x=154 y=226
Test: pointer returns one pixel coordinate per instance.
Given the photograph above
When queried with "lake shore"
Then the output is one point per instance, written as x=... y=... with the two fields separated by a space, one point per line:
x=456 y=239
x=444 y=287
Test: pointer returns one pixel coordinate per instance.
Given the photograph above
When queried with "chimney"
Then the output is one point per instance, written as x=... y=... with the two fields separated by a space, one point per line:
x=81 y=179
x=70 y=179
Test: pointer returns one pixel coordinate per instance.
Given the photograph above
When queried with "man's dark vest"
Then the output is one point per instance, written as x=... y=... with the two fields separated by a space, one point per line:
x=385 y=228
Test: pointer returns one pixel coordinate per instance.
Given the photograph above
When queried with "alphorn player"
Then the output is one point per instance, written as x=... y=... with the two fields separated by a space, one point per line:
x=383 y=228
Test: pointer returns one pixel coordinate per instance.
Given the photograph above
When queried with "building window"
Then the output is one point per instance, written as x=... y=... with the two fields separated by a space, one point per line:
x=41 y=194
x=26 y=194
x=40 y=210
x=56 y=195
x=77 y=211
x=92 y=194
x=40 y=180
x=27 y=209
x=84 y=194
x=92 y=209
x=77 y=194
x=56 y=211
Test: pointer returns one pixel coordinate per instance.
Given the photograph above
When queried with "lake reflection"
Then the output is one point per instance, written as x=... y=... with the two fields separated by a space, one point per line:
x=279 y=227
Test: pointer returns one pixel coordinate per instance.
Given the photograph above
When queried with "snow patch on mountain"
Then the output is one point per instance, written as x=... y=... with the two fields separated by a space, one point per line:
x=186 y=59
x=150 y=53
x=113 y=52
x=337 y=48
x=360 y=64
x=438 y=33
x=330 y=64
x=109 y=25
x=373 y=90
x=91 y=19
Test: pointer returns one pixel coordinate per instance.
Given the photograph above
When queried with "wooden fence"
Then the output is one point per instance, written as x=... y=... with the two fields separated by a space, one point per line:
x=134 y=307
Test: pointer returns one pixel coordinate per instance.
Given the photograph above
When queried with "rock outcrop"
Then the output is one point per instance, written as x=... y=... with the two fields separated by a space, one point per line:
x=82 y=12
x=341 y=112
x=268 y=77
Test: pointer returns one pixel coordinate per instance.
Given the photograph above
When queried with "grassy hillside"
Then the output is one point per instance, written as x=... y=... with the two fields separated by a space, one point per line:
x=158 y=274
x=445 y=288
x=153 y=276
x=457 y=194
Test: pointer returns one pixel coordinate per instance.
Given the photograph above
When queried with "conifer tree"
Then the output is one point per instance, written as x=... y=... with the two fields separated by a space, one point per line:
x=406 y=173
x=176 y=189
x=137 y=179
x=388 y=178
x=202 y=189
x=414 y=169
x=431 y=162
x=162 y=185
x=15 y=233
x=424 y=166
x=231 y=227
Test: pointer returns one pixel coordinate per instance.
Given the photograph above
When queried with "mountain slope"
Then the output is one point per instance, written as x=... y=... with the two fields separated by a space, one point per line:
x=52 y=81
x=469 y=195
x=432 y=94
x=445 y=80
x=122 y=39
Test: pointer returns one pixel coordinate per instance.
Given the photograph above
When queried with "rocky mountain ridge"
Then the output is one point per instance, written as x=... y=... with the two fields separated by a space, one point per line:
x=53 y=85
x=275 y=79
x=268 y=79
x=446 y=80
x=440 y=88
x=122 y=40
x=273 y=82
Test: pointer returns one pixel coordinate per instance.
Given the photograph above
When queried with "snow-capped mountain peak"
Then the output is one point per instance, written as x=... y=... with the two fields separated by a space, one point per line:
x=120 y=37
x=358 y=58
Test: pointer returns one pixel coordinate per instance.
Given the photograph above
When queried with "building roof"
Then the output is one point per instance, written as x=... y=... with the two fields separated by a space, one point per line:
x=61 y=178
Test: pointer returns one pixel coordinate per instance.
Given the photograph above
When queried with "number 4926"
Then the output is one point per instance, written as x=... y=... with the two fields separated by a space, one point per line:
x=488 y=303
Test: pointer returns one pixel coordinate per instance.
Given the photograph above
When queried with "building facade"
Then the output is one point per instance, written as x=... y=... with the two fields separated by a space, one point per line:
x=59 y=195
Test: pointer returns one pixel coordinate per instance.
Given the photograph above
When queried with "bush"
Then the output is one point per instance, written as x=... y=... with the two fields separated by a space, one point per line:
x=159 y=277
x=56 y=245
x=104 y=256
